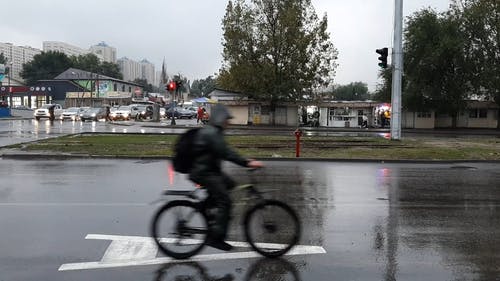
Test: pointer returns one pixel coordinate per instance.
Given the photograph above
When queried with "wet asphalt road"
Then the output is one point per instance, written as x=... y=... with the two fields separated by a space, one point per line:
x=375 y=221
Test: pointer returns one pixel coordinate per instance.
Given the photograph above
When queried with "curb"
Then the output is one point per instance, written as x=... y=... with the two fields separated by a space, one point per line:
x=65 y=156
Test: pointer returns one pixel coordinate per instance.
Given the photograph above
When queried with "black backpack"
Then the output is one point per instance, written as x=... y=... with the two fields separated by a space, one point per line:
x=183 y=152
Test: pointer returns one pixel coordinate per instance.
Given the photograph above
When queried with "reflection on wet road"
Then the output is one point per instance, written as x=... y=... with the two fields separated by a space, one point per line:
x=375 y=221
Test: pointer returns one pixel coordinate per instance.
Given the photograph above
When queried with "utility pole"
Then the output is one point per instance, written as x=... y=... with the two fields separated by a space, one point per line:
x=10 y=88
x=397 y=69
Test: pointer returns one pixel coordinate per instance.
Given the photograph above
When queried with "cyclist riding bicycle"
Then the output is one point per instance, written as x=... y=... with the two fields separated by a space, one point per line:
x=211 y=148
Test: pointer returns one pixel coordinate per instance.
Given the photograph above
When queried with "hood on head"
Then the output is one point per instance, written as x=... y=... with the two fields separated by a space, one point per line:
x=219 y=115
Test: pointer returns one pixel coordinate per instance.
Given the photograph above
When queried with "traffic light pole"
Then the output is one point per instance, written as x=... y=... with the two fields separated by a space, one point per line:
x=397 y=69
x=174 y=105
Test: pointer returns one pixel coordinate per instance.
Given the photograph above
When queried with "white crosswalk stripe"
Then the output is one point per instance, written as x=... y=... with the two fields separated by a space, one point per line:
x=126 y=251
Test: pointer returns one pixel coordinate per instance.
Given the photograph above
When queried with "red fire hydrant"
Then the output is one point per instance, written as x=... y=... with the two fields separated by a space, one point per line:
x=298 y=134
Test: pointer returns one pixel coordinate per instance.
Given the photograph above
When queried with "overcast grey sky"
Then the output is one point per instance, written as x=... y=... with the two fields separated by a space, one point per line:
x=188 y=33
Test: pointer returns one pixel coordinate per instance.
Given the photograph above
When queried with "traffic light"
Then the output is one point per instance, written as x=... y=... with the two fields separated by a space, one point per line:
x=383 y=57
x=171 y=86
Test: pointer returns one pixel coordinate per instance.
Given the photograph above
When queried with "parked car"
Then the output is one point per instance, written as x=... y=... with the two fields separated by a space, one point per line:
x=145 y=111
x=72 y=113
x=193 y=110
x=179 y=112
x=123 y=112
x=94 y=114
x=50 y=111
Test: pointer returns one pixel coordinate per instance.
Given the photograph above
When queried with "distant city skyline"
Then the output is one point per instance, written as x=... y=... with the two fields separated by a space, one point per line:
x=131 y=69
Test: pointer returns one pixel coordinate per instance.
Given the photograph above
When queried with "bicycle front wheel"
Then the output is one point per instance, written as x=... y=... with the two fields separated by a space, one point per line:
x=275 y=224
x=180 y=229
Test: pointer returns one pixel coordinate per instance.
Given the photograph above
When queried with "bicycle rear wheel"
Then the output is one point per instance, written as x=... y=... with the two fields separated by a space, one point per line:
x=276 y=224
x=180 y=229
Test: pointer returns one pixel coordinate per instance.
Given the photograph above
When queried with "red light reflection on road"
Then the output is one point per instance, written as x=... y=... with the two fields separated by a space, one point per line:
x=171 y=173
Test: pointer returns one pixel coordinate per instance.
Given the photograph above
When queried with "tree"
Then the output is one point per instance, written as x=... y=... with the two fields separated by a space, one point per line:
x=435 y=64
x=450 y=57
x=110 y=69
x=276 y=50
x=48 y=65
x=184 y=83
x=203 y=86
x=144 y=84
x=3 y=59
x=91 y=63
x=384 y=89
x=480 y=26
x=45 y=65
x=87 y=62
x=352 y=91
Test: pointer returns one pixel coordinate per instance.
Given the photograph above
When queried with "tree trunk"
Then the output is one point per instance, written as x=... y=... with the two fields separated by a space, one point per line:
x=498 y=119
x=454 y=120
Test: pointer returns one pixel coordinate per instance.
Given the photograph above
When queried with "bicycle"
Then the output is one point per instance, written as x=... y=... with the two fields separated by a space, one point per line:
x=262 y=269
x=181 y=227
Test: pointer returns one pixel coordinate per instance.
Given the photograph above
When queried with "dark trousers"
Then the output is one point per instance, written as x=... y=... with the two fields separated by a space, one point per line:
x=218 y=203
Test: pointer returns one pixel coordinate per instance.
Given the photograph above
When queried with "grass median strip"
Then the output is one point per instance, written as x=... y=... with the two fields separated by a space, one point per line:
x=138 y=145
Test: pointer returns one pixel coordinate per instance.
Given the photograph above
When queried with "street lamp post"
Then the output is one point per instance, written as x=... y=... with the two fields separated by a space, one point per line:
x=10 y=88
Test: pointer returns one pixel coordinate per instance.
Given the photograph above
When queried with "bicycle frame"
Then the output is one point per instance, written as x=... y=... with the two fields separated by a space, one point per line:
x=192 y=194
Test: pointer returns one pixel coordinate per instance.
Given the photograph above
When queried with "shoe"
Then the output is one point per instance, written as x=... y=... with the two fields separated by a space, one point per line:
x=219 y=244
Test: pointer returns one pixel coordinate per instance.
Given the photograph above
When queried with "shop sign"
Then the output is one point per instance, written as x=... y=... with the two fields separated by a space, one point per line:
x=40 y=89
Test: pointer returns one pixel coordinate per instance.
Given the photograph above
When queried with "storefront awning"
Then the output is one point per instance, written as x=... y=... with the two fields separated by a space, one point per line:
x=204 y=100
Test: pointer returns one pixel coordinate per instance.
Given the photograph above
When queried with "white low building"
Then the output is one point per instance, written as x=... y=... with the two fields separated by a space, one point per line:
x=250 y=112
x=349 y=114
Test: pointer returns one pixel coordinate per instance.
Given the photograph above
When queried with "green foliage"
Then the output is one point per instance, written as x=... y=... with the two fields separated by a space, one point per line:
x=91 y=63
x=435 y=65
x=352 y=91
x=3 y=59
x=160 y=146
x=202 y=87
x=276 y=50
x=480 y=27
x=48 y=65
x=184 y=87
x=110 y=69
x=450 y=57
x=88 y=62
x=144 y=84
x=384 y=89
x=45 y=65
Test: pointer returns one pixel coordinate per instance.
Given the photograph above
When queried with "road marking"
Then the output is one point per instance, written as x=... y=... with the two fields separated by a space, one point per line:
x=126 y=251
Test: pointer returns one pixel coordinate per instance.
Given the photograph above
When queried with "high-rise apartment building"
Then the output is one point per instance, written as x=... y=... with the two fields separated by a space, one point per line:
x=107 y=52
x=65 y=48
x=132 y=70
x=148 y=71
x=16 y=56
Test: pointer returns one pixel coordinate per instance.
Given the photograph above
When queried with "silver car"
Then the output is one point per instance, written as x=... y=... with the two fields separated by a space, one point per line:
x=94 y=114
x=50 y=111
x=123 y=112
x=72 y=113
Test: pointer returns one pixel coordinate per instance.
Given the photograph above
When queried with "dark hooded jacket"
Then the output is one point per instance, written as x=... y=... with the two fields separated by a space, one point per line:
x=211 y=147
